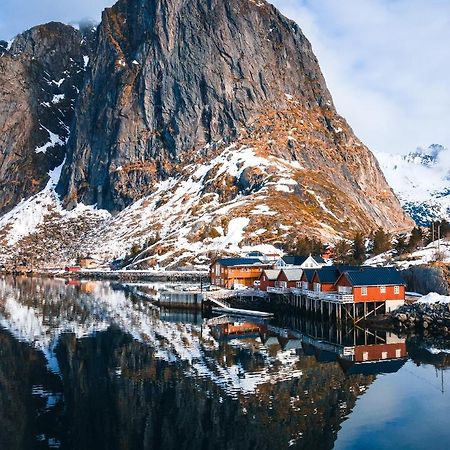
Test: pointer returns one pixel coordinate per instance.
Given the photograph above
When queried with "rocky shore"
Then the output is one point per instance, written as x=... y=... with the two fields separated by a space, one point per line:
x=430 y=318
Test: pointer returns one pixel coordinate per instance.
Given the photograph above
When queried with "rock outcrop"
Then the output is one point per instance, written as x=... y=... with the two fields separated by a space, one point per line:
x=40 y=77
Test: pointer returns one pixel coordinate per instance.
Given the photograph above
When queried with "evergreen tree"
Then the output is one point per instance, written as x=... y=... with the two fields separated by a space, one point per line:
x=415 y=239
x=401 y=244
x=306 y=246
x=358 y=248
x=342 y=252
x=381 y=242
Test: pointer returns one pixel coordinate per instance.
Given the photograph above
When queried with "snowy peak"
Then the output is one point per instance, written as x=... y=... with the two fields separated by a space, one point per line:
x=421 y=180
x=430 y=156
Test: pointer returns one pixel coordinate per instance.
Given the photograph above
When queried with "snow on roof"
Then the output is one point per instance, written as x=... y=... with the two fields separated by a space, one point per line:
x=292 y=274
x=272 y=274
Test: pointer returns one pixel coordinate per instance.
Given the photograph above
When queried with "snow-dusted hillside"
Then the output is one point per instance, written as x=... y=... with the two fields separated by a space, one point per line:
x=421 y=180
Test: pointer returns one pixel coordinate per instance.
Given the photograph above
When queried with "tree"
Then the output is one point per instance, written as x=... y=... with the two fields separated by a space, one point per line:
x=381 y=242
x=358 y=248
x=401 y=244
x=306 y=246
x=415 y=239
x=342 y=252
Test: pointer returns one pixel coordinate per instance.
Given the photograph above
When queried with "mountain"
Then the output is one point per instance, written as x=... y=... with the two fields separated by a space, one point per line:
x=198 y=127
x=421 y=180
x=41 y=73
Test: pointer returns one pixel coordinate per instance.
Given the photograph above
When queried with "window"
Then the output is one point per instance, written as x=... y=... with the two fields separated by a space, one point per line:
x=396 y=290
x=384 y=355
x=364 y=291
x=398 y=353
x=317 y=287
x=365 y=356
x=383 y=289
x=218 y=269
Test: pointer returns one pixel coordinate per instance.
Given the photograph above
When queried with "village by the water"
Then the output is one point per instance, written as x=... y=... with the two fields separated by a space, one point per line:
x=300 y=350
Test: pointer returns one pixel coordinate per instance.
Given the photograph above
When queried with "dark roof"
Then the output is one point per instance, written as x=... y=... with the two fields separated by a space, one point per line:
x=299 y=260
x=375 y=276
x=328 y=274
x=294 y=260
x=254 y=253
x=309 y=273
x=241 y=262
x=372 y=367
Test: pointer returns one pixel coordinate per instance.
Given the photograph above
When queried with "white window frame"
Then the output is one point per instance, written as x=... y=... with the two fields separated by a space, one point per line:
x=382 y=289
x=396 y=290
x=384 y=355
x=364 y=291
x=398 y=352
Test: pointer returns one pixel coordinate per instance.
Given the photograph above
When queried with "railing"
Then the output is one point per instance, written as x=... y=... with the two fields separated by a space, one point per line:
x=330 y=296
x=278 y=290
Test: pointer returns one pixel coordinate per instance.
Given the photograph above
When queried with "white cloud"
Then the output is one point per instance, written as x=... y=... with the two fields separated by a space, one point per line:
x=386 y=63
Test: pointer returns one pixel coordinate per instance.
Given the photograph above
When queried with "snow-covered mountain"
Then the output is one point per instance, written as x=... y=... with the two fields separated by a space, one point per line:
x=421 y=181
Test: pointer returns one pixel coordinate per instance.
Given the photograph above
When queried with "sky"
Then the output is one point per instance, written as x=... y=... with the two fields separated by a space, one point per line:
x=386 y=62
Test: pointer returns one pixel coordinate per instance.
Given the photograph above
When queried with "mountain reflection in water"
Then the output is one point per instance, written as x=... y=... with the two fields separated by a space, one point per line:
x=91 y=366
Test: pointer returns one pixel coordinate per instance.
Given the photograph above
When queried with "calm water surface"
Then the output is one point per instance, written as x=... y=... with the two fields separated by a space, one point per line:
x=94 y=366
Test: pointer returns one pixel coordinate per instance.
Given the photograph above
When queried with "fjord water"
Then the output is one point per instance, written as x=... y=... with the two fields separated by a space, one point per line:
x=93 y=366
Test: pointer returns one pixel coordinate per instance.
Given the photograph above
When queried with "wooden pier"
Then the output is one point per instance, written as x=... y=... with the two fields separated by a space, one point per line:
x=340 y=307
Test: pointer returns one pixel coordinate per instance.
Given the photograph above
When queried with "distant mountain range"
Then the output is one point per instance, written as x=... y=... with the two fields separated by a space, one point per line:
x=421 y=181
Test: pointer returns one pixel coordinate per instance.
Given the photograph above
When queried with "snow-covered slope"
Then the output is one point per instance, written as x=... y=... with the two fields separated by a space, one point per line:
x=242 y=199
x=421 y=180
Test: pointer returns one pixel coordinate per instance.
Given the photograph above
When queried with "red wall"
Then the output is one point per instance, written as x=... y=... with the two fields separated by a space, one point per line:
x=373 y=292
x=375 y=351
x=264 y=284
x=290 y=284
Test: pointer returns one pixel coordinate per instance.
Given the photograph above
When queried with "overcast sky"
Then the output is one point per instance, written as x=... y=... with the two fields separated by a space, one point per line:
x=386 y=62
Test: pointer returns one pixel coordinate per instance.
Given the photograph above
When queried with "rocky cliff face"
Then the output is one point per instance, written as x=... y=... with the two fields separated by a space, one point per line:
x=40 y=77
x=208 y=126
x=170 y=77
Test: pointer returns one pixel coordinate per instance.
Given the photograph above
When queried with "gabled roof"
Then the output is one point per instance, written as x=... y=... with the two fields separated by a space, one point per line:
x=375 y=276
x=292 y=274
x=328 y=274
x=241 y=262
x=309 y=273
x=299 y=260
x=294 y=260
x=271 y=274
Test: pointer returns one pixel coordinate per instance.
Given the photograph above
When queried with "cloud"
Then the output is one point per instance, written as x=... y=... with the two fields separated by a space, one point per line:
x=19 y=15
x=386 y=62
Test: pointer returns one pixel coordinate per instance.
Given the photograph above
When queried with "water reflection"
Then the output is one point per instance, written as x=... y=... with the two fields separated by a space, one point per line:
x=89 y=365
